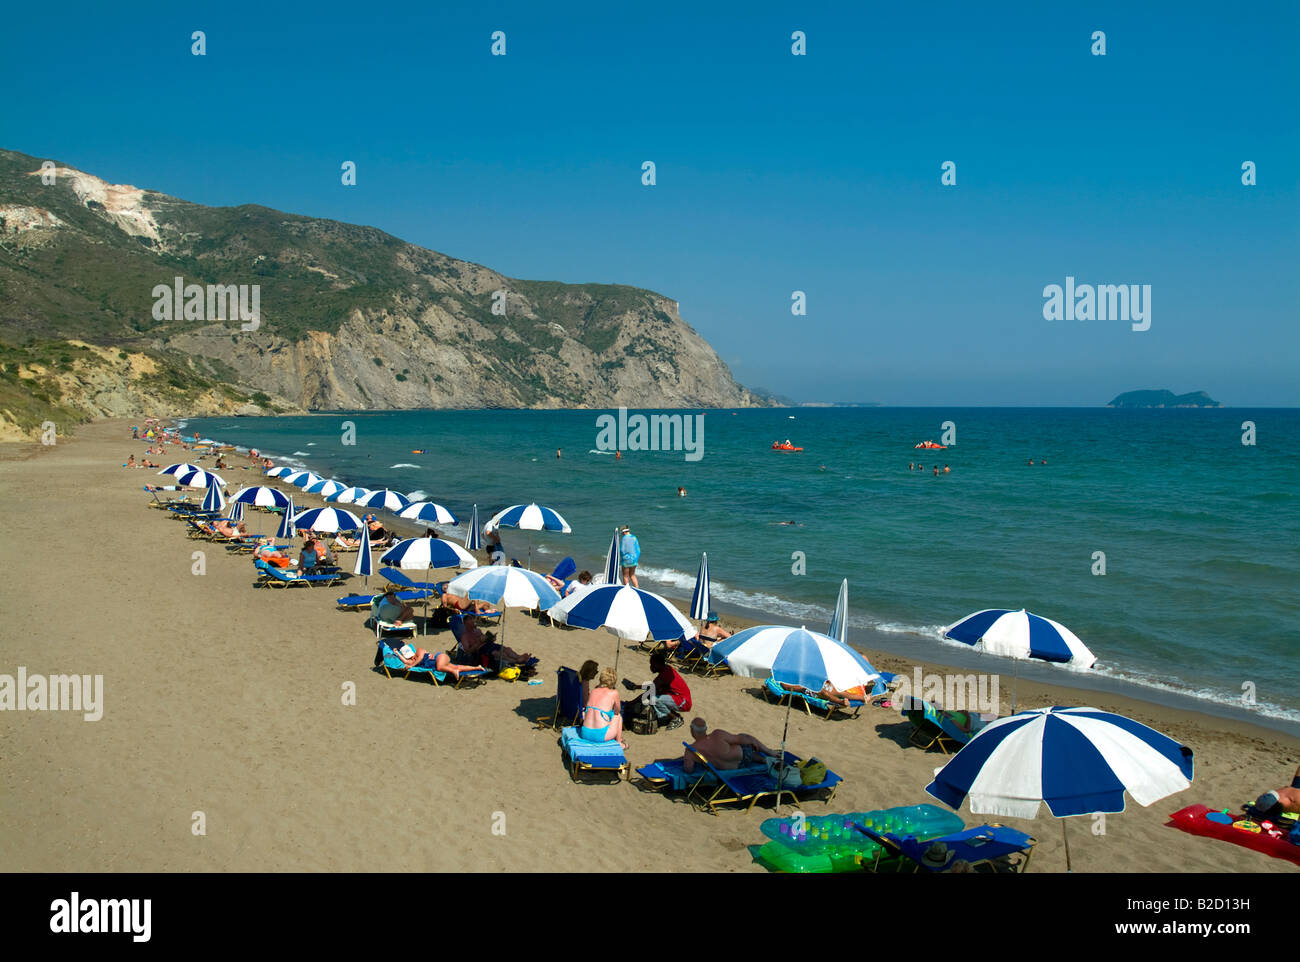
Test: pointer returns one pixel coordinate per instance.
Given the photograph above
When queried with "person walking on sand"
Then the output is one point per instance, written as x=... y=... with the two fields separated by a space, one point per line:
x=629 y=550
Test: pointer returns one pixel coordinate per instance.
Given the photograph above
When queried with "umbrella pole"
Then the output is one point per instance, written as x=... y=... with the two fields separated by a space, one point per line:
x=780 y=778
x=1015 y=673
x=1066 y=838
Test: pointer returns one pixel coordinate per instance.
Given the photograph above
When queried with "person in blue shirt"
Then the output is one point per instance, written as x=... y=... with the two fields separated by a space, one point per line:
x=629 y=550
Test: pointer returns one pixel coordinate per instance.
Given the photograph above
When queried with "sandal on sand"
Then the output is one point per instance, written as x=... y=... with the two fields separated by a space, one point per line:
x=676 y=722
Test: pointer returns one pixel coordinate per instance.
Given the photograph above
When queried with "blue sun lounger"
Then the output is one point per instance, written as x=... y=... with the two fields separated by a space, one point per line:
x=669 y=774
x=274 y=577
x=738 y=787
x=568 y=701
x=932 y=726
x=992 y=846
x=356 y=602
x=587 y=758
x=773 y=690
x=390 y=662
x=398 y=580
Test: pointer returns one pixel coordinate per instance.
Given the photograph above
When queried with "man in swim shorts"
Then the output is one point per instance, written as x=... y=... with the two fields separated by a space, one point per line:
x=1274 y=803
x=724 y=750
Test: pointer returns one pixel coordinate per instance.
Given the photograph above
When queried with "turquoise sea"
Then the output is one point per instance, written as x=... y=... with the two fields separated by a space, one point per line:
x=1200 y=532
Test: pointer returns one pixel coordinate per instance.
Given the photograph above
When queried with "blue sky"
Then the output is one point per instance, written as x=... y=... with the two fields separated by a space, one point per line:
x=775 y=173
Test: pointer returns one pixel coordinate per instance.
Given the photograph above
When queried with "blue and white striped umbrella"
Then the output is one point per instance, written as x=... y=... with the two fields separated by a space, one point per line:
x=347 y=495
x=1020 y=634
x=236 y=511
x=365 y=565
x=198 y=478
x=262 y=496
x=510 y=586
x=474 y=536
x=612 y=569
x=528 y=517
x=702 y=597
x=796 y=656
x=384 y=498
x=302 y=479
x=279 y=472
x=327 y=519
x=428 y=513
x=325 y=488
x=182 y=468
x=214 y=500
x=427 y=553
x=839 y=628
x=286 y=529
x=631 y=613
x=1077 y=760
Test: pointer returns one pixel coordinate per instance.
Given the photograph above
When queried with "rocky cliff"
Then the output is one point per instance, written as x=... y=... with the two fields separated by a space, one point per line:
x=347 y=316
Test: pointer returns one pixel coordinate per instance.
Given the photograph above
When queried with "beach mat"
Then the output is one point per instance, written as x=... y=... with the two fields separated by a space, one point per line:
x=1194 y=821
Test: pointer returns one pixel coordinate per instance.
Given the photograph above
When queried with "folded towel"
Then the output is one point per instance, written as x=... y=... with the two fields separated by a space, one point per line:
x=578 y=746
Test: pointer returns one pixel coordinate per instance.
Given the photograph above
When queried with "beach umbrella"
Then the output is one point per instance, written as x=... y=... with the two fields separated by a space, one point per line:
x=428 y=513
x=427 y=553
x=384 y=498
x=795 y=656
x=1021 y=634
x=365 y=563
x=302 y=479
x=505 y=585
x=611 y=561
x=839 y=628
x=325 y=488
x=286 y=529
x=1077 y=760
x=263 y=496
x=327 y=519
x=279 y=472
x=474 y=536
x=348 y=495
x=528 y=517
x=182 y=468
x=236 y=511
x=630 y=613
x=701 y=597
x=198 y=478
x=213 y=500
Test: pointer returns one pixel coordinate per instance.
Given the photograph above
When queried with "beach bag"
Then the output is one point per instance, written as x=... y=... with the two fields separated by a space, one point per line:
x=790 y=778
x=278 y=562
x=811 y=772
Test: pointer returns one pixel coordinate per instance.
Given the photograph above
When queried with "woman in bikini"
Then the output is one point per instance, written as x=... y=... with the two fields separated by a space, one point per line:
x=602 y=719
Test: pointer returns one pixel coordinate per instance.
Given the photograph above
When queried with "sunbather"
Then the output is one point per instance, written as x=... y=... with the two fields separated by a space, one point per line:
x=266 y=552
x=419 y=658
x=830 y=693
x=227 y=529
x=1272 y=804
x=484 y=648
x=602 y=719
x=725 y=751
x=392 y=611
x=712 y=631
x=379 y=535
x=345 y=543
x=456 y=603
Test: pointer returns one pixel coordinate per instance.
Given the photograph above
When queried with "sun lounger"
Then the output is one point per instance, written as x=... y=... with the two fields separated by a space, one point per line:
x=773 y=690
x=736 y=787
x=568 y=701
x=399 y=580
x=358 y=602
x=586 y=758
x=382 y=626
x=933 y=726
x=274 y=577
x=670 y=775
x=991 y=847
x=391 y=662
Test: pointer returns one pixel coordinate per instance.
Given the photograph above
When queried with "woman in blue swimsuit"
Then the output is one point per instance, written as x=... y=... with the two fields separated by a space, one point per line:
x=602 y=719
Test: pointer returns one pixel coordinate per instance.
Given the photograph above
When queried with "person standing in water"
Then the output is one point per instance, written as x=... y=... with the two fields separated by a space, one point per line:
x=629 y=550
x=558 y=454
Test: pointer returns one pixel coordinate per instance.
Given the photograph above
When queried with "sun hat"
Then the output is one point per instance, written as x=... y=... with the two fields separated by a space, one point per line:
x=937 y=854
x=713 y=616
x=625 y=528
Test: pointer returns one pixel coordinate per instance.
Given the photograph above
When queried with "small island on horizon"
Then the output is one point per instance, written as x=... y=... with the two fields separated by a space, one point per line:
x=1163 y=399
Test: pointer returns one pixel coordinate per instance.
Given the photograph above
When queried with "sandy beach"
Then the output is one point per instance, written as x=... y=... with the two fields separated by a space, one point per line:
x=228 y=701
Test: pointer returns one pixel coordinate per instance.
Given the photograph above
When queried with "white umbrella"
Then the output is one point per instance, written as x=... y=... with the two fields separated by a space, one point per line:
x=509 y=586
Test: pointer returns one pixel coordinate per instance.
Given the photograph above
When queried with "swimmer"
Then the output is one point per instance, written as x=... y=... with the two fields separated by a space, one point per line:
x=558 y=454
x=910 y=466
x=936 y=470
x=681 y=492
x=618 y=455
x=946 y=469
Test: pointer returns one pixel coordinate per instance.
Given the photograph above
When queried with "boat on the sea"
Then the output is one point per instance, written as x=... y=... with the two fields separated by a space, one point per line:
x=787 y=446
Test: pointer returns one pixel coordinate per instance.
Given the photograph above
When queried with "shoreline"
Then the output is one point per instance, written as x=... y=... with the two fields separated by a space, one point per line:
x=226 y=701
x=934 y=651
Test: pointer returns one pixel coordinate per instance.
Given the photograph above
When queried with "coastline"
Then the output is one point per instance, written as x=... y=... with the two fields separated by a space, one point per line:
x=224 y=700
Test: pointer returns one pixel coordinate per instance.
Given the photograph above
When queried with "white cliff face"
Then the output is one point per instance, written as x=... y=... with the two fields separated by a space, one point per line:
x=18 y=219
x=122 y=204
